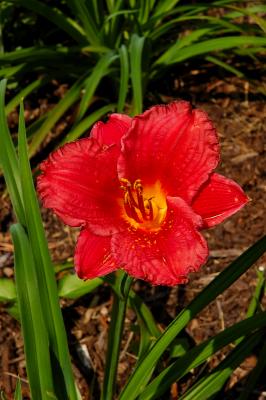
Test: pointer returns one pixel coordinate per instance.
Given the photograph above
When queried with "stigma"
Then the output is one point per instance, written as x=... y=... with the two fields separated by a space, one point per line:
x=146 y=207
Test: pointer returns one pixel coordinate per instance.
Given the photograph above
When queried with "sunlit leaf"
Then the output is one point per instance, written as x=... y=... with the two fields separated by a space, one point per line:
x=7 y=290
x=71 y=287
x=206 y=46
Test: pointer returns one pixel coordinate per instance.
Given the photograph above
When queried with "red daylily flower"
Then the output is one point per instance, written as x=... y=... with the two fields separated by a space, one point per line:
x=141 y=190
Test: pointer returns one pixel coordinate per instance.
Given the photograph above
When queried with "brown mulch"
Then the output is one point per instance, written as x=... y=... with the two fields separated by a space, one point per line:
x=240 y=122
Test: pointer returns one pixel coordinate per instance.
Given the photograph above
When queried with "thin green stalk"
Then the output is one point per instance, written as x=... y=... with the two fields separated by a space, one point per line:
x=115 y=336
x=18 y=394
x=258 y=293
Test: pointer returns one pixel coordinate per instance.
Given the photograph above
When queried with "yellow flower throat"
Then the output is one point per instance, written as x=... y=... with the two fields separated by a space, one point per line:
x=145 y=208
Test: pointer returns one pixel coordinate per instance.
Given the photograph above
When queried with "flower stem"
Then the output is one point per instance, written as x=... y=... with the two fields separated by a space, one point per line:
x=120 y=297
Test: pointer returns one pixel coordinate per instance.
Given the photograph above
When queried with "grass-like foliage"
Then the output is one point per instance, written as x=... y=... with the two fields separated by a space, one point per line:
x=35 y=296
x=124 y=47
x=110 y=54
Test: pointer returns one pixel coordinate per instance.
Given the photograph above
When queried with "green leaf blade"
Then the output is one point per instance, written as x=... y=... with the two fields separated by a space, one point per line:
x=214 y=382
x=207 y=46
x=54 y=15
x=45 y=274
x=34 y=331
x=9 y=160
x=18 y=394
x=86 y=123
x=7 y=290
x=136 y=49
x=92 y=82
x=124 y=77
x=140 y=376
x=71 y=287
x=199 y=354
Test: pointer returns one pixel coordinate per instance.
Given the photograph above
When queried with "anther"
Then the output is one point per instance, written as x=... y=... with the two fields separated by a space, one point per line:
x=125 y=182
x=138 y=185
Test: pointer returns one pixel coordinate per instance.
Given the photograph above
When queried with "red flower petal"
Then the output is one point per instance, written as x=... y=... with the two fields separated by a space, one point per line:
x=173 y=144
x=112 y=131
x=219 y=198
x=93 y=256
x=167 y=256
x=79 y=182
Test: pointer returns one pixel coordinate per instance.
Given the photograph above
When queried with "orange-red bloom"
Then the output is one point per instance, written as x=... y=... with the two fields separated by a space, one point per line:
x=142 y=189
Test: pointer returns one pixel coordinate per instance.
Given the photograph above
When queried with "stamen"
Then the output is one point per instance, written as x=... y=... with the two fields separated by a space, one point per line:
x=136 y=205
x=131 y=212
x=128 y=189
x=139 y=189
x=150 y=209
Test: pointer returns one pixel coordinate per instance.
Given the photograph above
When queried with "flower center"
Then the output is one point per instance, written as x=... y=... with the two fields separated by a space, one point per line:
x=146 y=211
